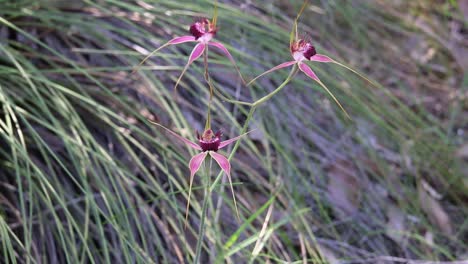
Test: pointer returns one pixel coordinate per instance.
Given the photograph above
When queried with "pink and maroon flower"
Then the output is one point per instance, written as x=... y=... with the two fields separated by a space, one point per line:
x=202 y=32
x=208 y=144
x=302 y=50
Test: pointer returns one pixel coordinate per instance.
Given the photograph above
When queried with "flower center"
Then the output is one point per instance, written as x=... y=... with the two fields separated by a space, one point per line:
x=203 y=30
x=209 y=141
x=302 y=49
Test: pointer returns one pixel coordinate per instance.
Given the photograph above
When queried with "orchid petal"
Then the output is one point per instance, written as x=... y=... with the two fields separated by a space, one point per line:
x=173 y=41
x=308 y=71
x=226 y=52
x=186 y=141
x=196 y=53
x=229 y=141
x=149 y=56
x=194 y=165
x=356 y=72
x=282 y=65
x=321 y=58
x=222 y=48
x=223 y=162
x=183 y=39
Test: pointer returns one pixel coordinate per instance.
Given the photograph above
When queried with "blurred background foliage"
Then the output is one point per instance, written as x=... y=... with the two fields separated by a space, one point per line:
x=84 y=177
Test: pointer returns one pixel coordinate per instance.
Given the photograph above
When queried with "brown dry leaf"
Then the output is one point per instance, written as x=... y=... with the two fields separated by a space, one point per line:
x=395 y=227
x=434 y=210
x=343 y=188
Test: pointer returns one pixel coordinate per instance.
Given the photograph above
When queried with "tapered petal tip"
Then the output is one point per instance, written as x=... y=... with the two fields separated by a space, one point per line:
x=183 y=39
x=308 y=71
x=196 y=162
x=282 y=65
x=232 y=140
x=222 y=161
x=196 y=52
x=321 y=58
x=177 y=136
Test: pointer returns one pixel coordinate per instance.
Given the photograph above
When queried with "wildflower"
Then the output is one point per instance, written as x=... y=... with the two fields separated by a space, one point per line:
x=202 y=32
x=302 y=51
x=208 y=143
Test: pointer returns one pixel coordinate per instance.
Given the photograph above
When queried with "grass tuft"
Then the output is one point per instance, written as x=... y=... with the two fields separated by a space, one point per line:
x=86 y=178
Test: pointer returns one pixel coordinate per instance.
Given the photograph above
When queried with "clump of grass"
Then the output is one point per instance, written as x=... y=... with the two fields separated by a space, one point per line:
x=84 y=177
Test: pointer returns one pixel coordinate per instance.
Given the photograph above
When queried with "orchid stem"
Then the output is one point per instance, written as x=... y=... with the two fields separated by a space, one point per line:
x=225 y=99
x=206 y=199
x=208 y=117
x=268 y=96
x=253 y=107
x=263 y=99
x=236 y=145
x=208 y=80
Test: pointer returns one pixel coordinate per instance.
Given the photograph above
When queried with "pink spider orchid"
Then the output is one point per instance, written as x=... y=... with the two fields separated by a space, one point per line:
x=202 y=32
x=302 y=51
x=208 y=143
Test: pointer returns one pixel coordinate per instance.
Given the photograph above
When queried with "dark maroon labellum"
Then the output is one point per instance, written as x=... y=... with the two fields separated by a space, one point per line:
x=197 y=30
x=209 y=141
x=304 y=47
x=200 y=28
x=309 y=51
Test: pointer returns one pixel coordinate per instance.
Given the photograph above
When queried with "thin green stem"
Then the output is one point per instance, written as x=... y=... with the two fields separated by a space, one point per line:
x=206 y=199
x=236 y=145
x=225 y=99
x=250 y=115
x=268 y=96
x=263 y=99
x=207 y=73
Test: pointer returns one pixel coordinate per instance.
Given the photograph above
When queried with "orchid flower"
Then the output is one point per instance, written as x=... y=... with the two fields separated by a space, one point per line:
x=201 y=32
x=302 y=51
x=208 y=144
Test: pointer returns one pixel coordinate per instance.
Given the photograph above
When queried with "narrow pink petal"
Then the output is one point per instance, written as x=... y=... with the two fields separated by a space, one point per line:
x=196 y=52
x=229 y=141
x=194 y=165
x=226 y=52
x=282 y=65
x=223 y=162
x=222 y=48
x=182 y=39
x=186 y=141
x=308 y=71
x=321 y=58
